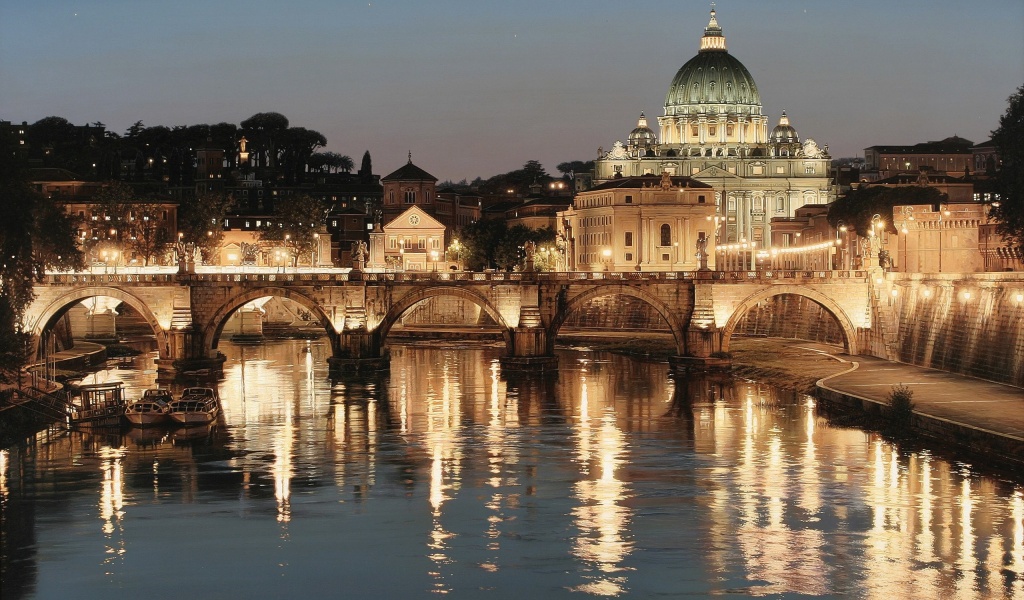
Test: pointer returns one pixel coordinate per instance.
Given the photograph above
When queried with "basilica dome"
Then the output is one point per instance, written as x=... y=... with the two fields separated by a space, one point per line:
x=642 y=135
x=784 y=132
x=713 y=81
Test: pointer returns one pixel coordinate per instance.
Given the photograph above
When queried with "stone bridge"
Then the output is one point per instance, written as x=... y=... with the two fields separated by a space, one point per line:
x=357 y=309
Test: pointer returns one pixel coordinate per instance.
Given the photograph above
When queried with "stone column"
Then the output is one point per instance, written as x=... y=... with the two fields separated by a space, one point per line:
x=530 y=343
x=703 y=335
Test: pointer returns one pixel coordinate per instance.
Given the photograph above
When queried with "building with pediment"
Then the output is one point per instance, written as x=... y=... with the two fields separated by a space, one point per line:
x=412 y=241
x=714 y=131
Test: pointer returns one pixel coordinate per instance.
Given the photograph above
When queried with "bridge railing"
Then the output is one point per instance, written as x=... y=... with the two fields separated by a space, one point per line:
x=108 y=278
x=333 y=278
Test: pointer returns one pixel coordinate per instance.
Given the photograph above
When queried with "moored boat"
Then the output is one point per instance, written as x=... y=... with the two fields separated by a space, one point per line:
x=98 y=404
x=152 y=409
x=197 y=406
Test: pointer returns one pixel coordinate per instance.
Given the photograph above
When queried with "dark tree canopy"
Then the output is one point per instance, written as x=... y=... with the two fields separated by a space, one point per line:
x=296 y=226
x=519 y=181
x=856 y=208
x=1009 y=141
x=493 y=244
x=200 y=218
x=35 y=235
x=575 y=166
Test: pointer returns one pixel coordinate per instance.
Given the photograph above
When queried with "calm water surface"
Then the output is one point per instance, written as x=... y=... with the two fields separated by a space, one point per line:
x=442 y=478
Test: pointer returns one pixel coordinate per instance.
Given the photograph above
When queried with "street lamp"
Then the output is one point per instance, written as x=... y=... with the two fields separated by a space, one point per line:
x=433 y=258
x=607 y=254
x=942 y=211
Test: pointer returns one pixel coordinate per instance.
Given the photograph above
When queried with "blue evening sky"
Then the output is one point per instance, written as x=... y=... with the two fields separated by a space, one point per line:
x=480 y=87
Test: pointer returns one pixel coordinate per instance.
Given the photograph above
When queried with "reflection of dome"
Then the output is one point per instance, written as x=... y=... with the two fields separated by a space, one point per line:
x=713 y=77
x=784 y=132
x=643 y=135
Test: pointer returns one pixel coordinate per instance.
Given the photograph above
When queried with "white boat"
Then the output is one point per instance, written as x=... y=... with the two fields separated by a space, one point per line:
x=152 y=409
x=98 y=404
x=197 y=406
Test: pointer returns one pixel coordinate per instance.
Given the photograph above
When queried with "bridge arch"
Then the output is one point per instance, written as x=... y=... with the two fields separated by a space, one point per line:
x=677 y=328
x=56 y=308
x=214 y=327
x=740 y=311
x=409 y=300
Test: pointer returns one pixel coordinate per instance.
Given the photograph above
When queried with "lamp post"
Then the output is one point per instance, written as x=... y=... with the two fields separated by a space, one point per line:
x=841 y=243
x=607 y=255
x=433 y=259
x=942 y=211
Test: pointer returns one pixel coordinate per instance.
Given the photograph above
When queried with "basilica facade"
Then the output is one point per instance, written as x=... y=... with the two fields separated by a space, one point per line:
x=714 y=131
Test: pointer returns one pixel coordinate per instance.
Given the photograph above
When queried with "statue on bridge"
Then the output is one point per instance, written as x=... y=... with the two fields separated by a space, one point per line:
x=885 y=260
x=185 y=254
x=702 y=253
x=359 y=252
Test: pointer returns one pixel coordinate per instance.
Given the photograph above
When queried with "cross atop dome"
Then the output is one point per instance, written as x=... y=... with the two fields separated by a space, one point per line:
x=713 y=39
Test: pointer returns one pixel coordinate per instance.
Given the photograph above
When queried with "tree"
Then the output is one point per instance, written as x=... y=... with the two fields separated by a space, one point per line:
x=575 y=166
x=1009 y=141
x=145 y=233
x=112 y=207
x=517 y=181
x=199 y=222
x=295 y=146
x=856 y=208
x=263 y=131
x=366 y=167
x=296 y=227
x=511 y=251
x=480 y=241
x=36 y=235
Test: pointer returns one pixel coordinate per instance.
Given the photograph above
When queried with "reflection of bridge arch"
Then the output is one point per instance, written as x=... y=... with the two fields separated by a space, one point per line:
x=213 y=328
x=677 y=328
x=740 y=311
x=409 y=300
x=55 y=309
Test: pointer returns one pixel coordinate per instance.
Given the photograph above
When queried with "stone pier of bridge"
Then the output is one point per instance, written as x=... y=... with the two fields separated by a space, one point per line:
x=357 y=310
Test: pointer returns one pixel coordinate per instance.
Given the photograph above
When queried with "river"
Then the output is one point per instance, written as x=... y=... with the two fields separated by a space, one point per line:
x=444 y=478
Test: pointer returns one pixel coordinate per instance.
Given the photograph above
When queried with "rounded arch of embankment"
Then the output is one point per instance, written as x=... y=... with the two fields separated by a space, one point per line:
x=57 y=307
x=738 y=313
x=413 y=298
x=678 y=331
x=215 y=326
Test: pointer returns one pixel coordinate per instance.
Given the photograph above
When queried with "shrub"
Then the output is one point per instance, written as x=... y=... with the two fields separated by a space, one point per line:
x=901 y=406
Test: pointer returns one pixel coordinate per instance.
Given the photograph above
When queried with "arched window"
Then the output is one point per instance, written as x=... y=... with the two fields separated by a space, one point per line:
x=666 y=235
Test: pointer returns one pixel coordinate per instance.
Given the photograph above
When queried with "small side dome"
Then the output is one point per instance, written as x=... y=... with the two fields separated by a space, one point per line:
x=784 y=132
x=642 y=136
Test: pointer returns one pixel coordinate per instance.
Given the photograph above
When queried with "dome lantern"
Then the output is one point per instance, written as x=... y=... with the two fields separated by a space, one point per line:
x=713 y=39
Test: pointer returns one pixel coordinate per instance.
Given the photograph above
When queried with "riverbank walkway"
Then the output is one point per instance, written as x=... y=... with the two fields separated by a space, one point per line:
x=984 y=411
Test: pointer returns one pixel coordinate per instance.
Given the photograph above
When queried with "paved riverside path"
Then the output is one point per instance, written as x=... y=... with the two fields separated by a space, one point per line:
x=995 y=408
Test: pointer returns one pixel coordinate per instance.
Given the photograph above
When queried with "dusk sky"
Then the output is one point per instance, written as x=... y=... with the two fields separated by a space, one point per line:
x=475 y=88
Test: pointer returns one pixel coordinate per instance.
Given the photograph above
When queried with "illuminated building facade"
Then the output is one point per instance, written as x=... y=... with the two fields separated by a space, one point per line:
x=646 y=223
x=715 y=132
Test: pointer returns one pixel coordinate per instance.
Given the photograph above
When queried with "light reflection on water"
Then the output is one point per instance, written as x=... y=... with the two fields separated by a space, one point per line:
x=444 y=478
